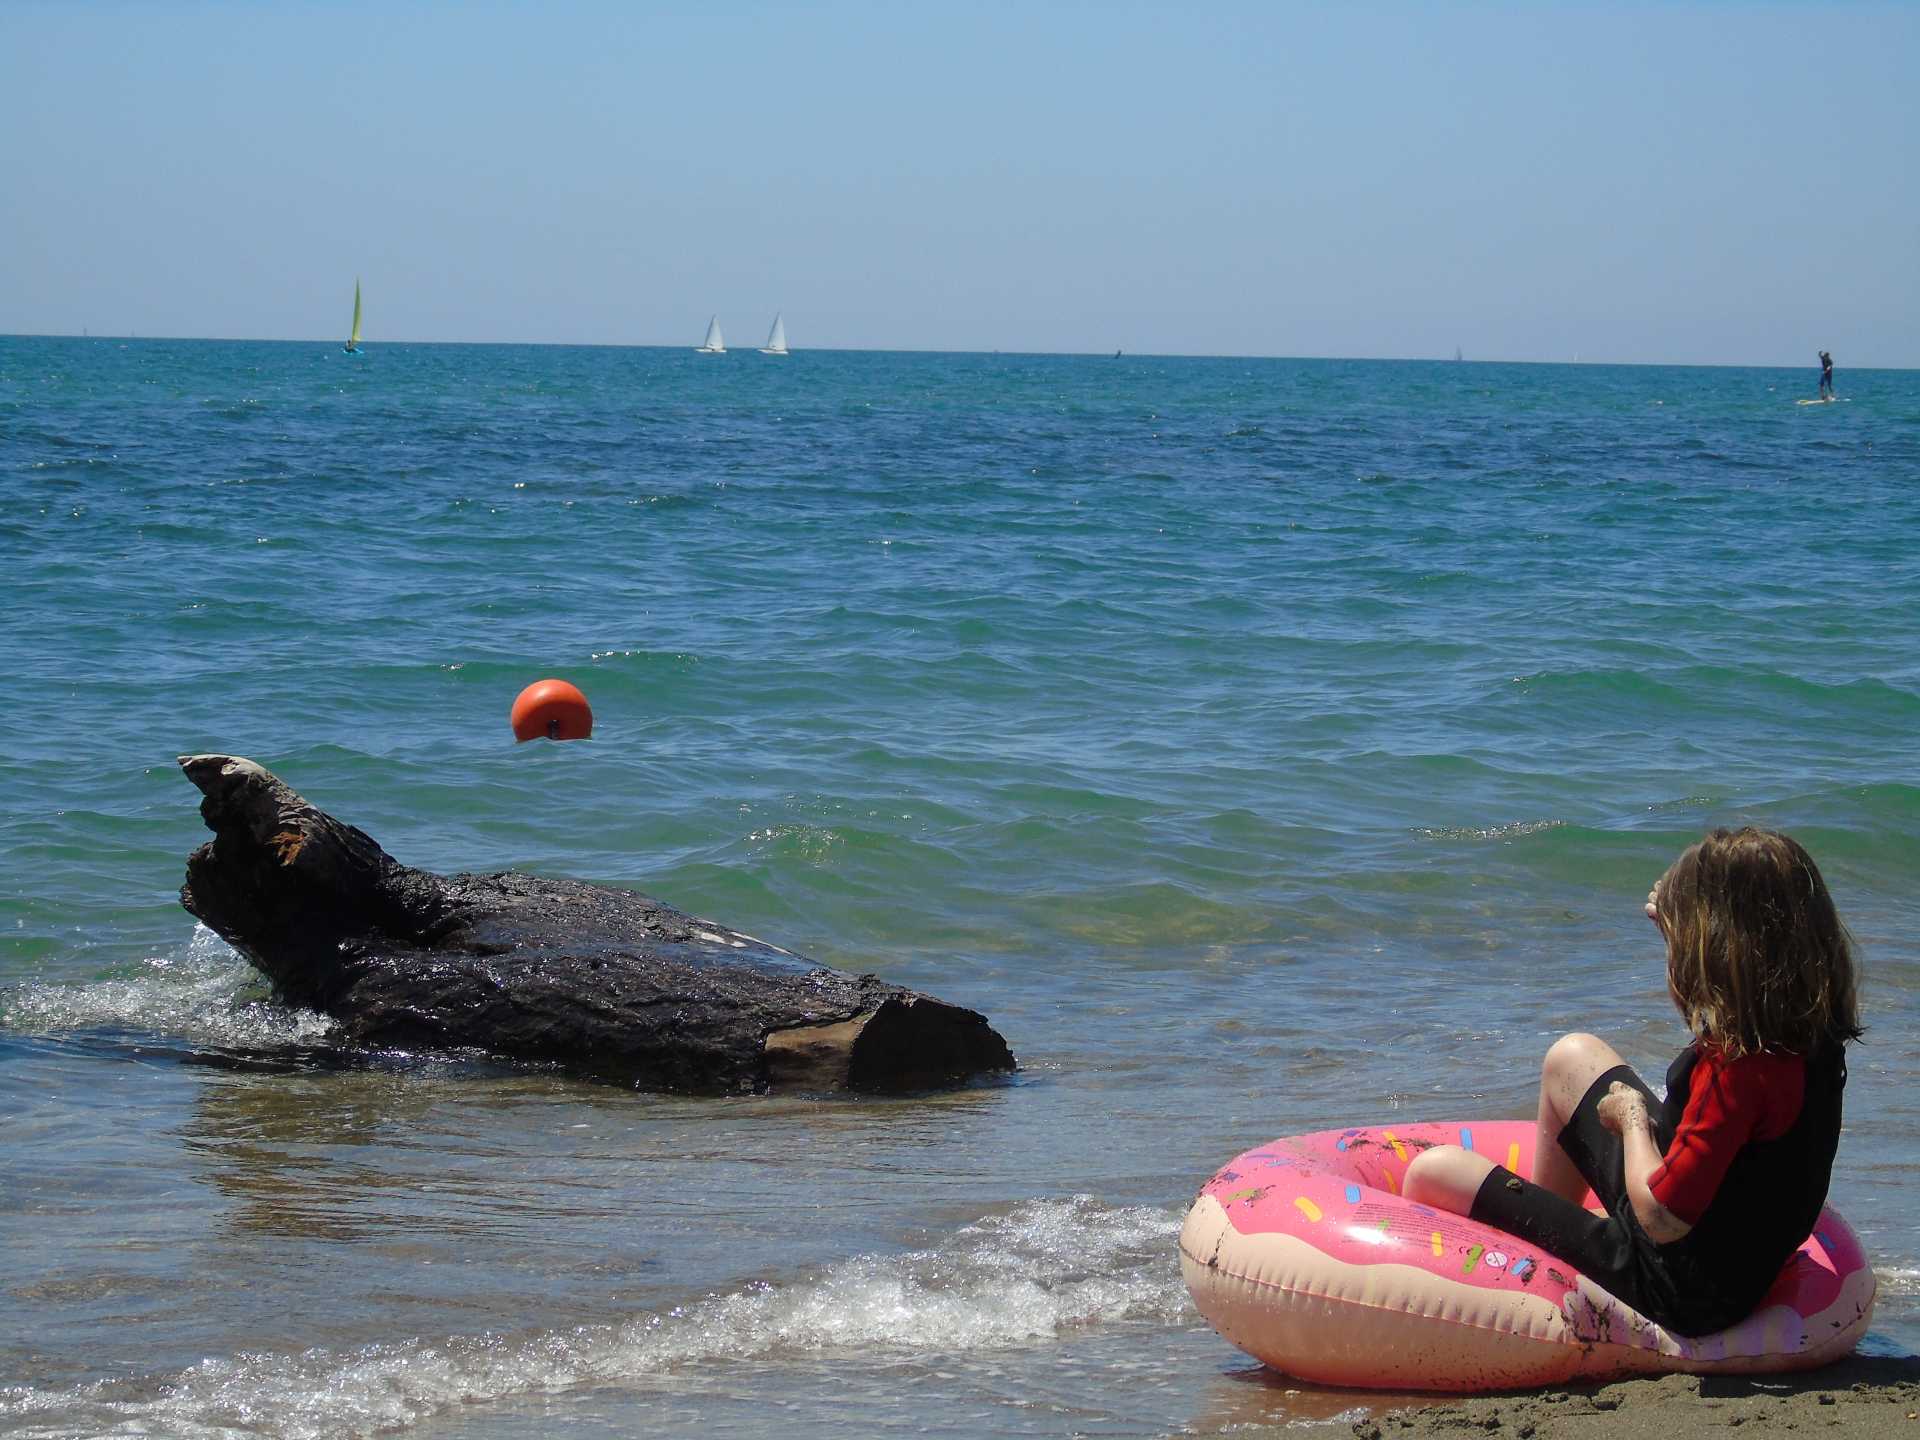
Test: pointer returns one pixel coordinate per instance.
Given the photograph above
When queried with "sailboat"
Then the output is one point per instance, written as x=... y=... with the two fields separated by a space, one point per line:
x=776 y=338
x=352 y=347
x=715 y=345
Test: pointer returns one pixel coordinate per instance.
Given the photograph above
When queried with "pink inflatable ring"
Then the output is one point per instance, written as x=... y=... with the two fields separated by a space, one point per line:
x=1303 y=1253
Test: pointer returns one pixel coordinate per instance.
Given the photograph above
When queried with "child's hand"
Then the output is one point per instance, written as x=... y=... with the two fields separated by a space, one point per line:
x=1653 y=903
x=1622 y=1108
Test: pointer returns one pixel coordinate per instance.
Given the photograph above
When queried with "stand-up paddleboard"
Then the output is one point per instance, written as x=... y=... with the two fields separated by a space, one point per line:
x=1823 y=400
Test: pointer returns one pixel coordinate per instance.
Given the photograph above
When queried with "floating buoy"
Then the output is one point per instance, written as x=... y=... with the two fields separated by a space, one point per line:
x=552 y=710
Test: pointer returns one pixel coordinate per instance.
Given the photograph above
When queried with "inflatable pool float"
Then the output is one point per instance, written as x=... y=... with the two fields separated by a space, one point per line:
x=1304 y=1254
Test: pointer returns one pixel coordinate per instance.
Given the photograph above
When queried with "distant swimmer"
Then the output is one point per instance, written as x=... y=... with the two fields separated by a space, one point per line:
x=1826 y=376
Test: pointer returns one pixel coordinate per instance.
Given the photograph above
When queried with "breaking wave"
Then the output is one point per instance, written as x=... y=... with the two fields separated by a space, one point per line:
x=1044 y=1270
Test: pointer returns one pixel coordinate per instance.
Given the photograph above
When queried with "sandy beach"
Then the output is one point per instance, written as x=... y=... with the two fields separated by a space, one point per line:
x=1863 y=1396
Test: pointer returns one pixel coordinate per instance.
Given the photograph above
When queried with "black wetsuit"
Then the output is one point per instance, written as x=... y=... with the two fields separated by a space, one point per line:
x=1826 y=373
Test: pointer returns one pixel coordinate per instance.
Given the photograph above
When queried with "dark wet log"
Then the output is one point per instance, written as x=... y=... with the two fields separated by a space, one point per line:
x=606 y=982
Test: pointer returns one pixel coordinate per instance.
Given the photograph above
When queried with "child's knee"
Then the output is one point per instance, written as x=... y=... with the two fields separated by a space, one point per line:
x=1446 y=1176
x=1572 y=1053
x=1424 y=1170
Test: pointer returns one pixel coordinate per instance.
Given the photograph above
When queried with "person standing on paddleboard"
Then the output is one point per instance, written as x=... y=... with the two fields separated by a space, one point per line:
x=1826 y=376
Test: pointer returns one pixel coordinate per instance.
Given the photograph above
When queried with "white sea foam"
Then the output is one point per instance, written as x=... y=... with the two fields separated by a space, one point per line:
x=204 y=994
x=1047 y=1269
x=1898 y=1281
x=1512 y=831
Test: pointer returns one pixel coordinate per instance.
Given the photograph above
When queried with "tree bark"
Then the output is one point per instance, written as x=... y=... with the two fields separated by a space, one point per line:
x=606 y=982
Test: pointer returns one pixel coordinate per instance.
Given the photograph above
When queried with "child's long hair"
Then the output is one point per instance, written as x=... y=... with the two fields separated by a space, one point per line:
x=1756 y=954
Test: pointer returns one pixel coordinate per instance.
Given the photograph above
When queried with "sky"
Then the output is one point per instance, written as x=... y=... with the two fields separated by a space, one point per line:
x=1715 y=183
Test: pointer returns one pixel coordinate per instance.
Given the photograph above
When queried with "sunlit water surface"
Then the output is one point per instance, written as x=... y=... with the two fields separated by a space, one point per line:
x=1262 y=745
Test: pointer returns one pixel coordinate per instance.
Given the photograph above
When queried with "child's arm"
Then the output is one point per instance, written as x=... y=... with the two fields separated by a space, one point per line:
x=1624 y=1111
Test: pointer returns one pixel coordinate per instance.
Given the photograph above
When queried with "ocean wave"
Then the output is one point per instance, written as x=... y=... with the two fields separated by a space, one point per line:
x=204 y=994
x=1509 y=831
x=1046 y=1269
x=1898 y=1281
x=1687 y=686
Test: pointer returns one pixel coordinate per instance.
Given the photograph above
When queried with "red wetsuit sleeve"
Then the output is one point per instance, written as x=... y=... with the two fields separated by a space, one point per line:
x=1756 y=1097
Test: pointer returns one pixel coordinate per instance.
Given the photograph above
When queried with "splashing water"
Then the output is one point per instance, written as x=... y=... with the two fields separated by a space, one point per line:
x=205 y=994
x=1045 y=1270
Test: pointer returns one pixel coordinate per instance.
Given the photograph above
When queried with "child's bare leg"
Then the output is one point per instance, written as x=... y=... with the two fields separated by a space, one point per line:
x=1446 y=1176
x=1573 y=1063
x=1449 y=1177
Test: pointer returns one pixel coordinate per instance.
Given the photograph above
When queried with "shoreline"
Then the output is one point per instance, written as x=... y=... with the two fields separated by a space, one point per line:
x=1863 y=1397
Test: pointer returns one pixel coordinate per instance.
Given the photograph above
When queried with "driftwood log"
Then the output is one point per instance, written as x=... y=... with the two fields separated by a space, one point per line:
x=606 y=982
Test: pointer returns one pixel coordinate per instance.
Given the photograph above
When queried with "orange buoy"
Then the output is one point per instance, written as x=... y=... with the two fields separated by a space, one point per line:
x=552 y=709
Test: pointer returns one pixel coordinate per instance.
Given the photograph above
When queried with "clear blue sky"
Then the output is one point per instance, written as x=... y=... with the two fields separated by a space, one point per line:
x=1721 y=183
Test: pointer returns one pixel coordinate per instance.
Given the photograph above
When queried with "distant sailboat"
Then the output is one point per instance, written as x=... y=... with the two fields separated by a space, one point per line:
x=352 y=347
x=1456 y=353
x=776 y=338
x=715 y=345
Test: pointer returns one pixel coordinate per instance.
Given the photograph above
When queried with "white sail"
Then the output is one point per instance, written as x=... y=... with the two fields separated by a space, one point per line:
x=776 y=338
x=715 y=345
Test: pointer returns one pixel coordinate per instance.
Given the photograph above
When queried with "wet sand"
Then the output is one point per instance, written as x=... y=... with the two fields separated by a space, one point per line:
x=1863 y=1396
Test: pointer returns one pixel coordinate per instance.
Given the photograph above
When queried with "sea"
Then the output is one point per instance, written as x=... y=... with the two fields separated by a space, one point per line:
x=1262 y=745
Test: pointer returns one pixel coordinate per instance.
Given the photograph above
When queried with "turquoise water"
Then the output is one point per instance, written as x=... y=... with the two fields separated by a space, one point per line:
x=1262 y=745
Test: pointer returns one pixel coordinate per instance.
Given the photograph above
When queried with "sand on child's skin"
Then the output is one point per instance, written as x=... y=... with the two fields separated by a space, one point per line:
x=1862 y=1396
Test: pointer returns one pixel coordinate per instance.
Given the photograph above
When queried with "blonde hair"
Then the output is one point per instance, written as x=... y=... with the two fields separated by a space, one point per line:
x=1756 y=954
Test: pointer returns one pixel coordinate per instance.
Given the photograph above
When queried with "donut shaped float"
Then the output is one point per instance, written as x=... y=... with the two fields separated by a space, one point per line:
x=1304 y=1254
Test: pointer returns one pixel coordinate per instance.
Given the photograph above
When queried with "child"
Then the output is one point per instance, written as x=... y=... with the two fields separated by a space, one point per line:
x=1710 y=1192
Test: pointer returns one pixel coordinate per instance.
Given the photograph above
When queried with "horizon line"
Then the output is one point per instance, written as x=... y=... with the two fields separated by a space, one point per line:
x=1119 y=353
